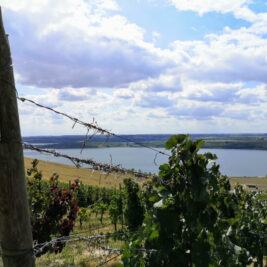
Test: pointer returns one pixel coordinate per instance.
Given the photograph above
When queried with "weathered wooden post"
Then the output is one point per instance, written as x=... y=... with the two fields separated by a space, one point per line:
x=15 y=228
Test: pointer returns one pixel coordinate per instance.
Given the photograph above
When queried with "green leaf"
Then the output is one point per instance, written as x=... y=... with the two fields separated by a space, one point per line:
x=154 y=234
x=199 y=143
x=153 y=198
x=210 y=156
x=174 y=140
x=164 y=167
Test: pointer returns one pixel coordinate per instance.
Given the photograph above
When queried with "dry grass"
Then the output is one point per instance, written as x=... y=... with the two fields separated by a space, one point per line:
x=96 y=178
x=81 y=253
x=261 y=182
x=87 y=176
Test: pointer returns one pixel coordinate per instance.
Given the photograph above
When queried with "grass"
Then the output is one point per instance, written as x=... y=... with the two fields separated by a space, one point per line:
x=80 y=253
x=261 y=182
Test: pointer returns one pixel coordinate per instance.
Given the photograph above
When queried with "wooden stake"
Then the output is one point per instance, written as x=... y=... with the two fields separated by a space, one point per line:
x=15 y=228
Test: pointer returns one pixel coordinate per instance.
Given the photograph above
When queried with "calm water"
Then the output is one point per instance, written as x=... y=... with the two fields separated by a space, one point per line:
x=233 y=162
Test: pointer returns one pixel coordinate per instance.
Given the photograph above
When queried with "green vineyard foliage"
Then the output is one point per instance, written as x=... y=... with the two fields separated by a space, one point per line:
x=194 y=218
x=188 y=216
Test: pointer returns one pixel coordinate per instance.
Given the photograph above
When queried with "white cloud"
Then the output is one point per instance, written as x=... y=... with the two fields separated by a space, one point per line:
x=153 y=101
x=78 y=44
x=80 y=50
x=253 y=96
x=74 y=94
x=124 y=93
x=36 y=6
x=206 y=92
x=205 y=6
x=163 y=83
x=233 y=56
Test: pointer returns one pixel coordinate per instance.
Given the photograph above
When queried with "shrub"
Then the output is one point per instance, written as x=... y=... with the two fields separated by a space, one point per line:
x=53 y=210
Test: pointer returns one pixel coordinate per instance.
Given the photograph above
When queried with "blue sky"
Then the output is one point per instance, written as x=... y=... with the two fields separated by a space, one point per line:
x=141 y=66
x=172 y=24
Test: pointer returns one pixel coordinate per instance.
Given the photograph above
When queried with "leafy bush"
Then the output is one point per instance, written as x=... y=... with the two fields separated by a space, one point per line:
x=115 y=209
x=87 y=195
x=193 y=218
x=53 y=210
x=84 y=215
x=133 y=209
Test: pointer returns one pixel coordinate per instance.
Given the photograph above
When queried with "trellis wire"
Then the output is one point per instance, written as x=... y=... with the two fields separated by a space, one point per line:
x=91 y=126
x=106 y=261
x=88 y=231
x=95 y=165
x=77 y=161
x=37 y=248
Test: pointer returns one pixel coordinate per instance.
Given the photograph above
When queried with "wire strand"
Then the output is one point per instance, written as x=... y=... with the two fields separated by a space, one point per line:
x=96 y=165
x=92 y=126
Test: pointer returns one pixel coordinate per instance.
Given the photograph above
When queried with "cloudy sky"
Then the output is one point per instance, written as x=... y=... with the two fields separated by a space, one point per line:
x=141 y=66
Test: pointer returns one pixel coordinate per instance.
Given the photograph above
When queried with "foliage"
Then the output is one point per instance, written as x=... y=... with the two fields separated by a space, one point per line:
x=84 y=195
x=53 y=210
x=193 y=218
x=248 y=229
x=87 y=195
x=84 y=215
x=100 y=207
x=133 y=209
x=115 y=209
x=189 y=216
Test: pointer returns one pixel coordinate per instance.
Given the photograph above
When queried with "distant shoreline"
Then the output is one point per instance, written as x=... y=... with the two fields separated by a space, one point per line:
x=216 y=141
x=252 y=145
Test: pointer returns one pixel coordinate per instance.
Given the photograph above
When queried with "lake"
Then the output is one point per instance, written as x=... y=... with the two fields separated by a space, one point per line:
x=233 y=162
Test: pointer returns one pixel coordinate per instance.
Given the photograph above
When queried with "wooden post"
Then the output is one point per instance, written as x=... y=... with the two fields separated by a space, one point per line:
x=15 y=228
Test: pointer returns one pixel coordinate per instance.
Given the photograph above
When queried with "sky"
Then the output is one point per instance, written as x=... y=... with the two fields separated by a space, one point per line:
x=140 y=66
